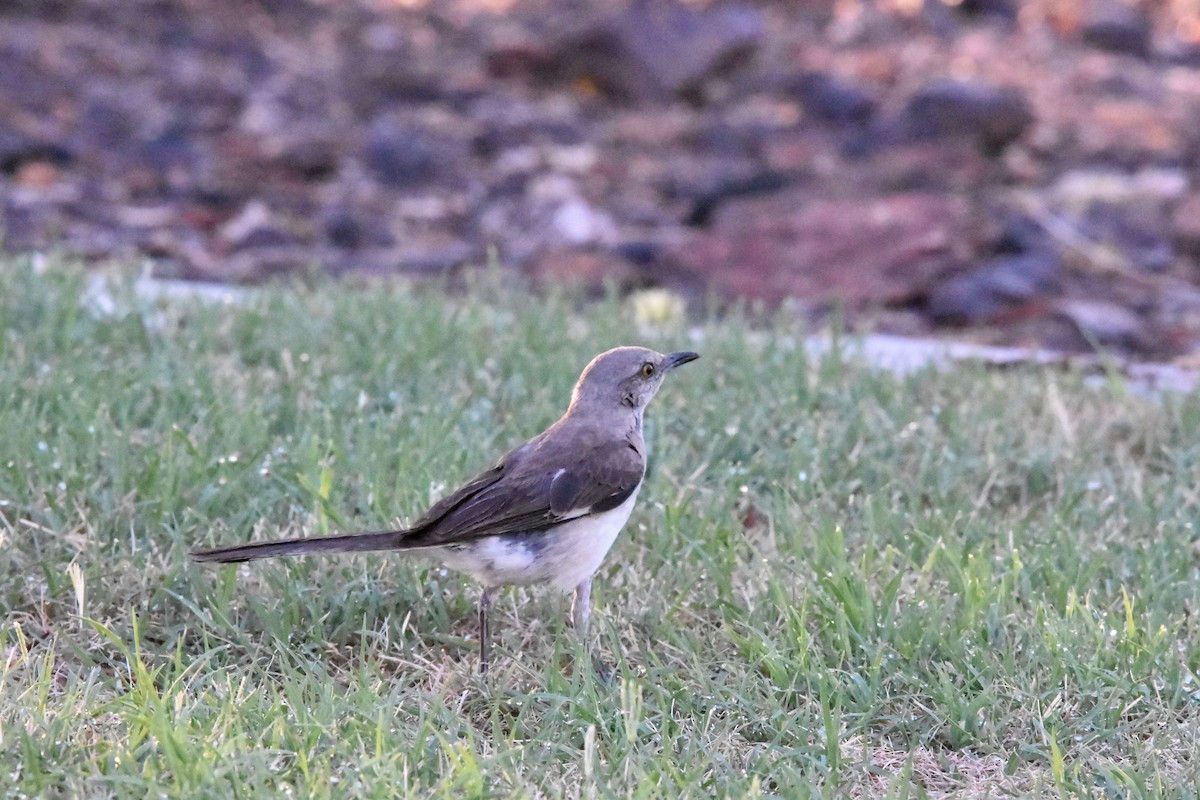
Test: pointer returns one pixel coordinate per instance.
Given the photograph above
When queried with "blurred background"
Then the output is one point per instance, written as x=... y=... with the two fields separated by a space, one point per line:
x=1015 y=171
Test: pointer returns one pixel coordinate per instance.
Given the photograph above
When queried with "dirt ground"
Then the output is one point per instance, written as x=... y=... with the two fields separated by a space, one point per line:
x=1018 y=171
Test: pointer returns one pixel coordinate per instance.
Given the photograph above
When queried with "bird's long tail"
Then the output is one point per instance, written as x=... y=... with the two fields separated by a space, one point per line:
x=346 y=543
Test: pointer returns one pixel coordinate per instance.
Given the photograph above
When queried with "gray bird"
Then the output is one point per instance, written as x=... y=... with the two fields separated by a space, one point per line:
x=548 y=511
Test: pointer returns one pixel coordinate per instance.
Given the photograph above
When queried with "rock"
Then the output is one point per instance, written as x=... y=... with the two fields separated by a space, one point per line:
x=576 y=222
x=172 y=150
x=659 y=49
x=639 y=252
x=552 y=211
x=518 y=56
x=1185 y=225
x=1131 y=132
x=1106 y=323
x=498 y=134
x=1080 y=189
x=718 y=137
x=254 y=228
x=1117 y=27
x=724 y=185
x=712 y=163
x=104 y=122
x=995 y=287
x=859 y=251
x=400 y=158
x=17 y=149
x=1000 y=9
x=989 y=116
x=343 y=229
x=401 y=155
x=1021 y=234
x=381 y=79
x=1122 y=216
x=23 y=229
x=834 y=99
x=310 y=154
x=36 y=175
x=1136 y=234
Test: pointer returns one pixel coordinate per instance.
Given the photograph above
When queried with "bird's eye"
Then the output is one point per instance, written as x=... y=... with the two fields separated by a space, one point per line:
x=647 y=369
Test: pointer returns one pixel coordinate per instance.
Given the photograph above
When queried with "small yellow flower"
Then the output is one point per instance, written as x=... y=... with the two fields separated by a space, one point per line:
x=658 y=308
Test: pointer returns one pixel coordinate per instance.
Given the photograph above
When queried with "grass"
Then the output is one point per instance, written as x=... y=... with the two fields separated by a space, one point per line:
x=837 y=582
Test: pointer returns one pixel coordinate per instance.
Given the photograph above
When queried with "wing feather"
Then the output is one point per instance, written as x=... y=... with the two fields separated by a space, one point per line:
x=533 y=489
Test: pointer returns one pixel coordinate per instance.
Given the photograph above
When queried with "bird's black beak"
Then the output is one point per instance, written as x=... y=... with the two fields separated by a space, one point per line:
x=678 y=359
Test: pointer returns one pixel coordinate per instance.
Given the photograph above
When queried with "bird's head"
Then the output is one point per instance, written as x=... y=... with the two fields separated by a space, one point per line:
x=625 y=377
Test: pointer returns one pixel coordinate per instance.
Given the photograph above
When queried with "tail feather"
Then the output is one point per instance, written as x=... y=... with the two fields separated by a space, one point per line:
x=347 y=543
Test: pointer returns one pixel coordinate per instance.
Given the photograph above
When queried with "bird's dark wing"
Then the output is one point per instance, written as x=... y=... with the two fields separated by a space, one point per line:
x=532 y=490
x=600 y=486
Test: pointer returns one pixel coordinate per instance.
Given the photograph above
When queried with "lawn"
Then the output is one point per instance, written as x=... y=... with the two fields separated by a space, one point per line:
x=837 y=582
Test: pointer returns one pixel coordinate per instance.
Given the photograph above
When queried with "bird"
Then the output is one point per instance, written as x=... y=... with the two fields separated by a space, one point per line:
x=548 y=511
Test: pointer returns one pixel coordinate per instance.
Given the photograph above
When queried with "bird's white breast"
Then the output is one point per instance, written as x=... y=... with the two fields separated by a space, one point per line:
x=564 y=555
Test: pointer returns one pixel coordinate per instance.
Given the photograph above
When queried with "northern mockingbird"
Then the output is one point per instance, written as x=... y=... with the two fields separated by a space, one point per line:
x=548 y=511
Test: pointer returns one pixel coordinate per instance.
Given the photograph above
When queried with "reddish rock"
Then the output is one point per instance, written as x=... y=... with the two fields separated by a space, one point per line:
x=36 y=175
x=860 y=251
x=1131 y=130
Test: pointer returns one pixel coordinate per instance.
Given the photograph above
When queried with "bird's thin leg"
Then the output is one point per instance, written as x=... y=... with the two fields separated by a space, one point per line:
x=581 y=612
x=485 y=630
x=581 y=607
